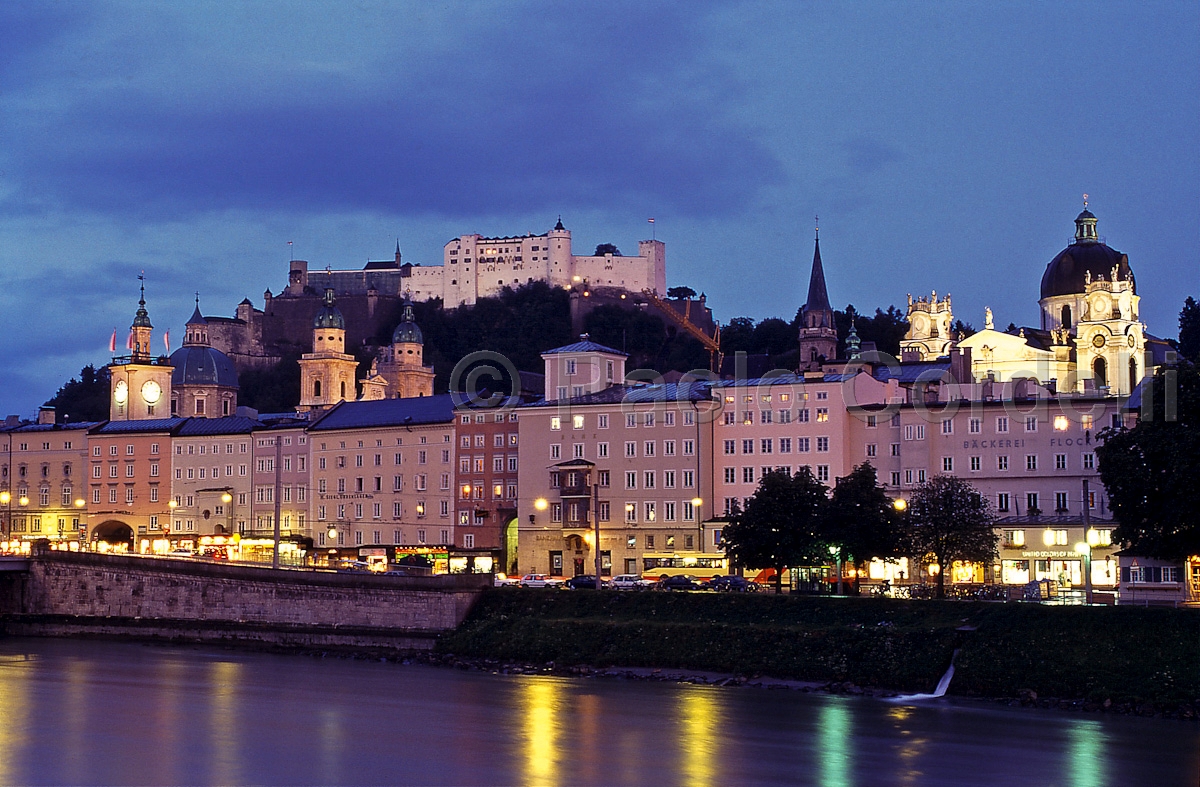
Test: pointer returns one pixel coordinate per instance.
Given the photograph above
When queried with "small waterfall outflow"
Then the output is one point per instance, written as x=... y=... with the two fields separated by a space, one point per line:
x=940 y=691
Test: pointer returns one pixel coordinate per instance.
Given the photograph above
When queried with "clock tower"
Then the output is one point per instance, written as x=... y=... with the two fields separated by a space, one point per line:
x=140 y=387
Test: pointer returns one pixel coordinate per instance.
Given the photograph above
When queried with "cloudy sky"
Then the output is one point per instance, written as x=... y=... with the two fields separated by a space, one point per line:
x=945 y=146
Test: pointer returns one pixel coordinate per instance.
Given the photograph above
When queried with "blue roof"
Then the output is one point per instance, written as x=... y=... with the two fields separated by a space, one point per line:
x=636 y=394
x=586 y=346
x=411 y=411
x=50 y=427
x=148 y=425
x=198 y=365
x=231 y=424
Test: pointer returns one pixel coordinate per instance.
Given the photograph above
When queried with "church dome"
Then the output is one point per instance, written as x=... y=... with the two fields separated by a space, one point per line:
x=200 y=365
x=1068 y=272
x=329 y=316
x=408 y=330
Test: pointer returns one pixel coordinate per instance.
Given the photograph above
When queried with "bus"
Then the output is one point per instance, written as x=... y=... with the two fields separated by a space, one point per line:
x=701 y=565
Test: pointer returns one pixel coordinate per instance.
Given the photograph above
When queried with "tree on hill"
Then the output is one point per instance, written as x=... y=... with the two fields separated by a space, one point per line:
x=948 y=519
x=1189 y=330
x=681 y=292
x=738 y=336
x=607 y=248
x=782 y=525
x=1151 y=471
x=275 y=389
x=862 y=519
x=84 y=398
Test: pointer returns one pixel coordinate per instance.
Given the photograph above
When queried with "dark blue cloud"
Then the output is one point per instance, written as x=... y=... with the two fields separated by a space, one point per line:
x=582 y=115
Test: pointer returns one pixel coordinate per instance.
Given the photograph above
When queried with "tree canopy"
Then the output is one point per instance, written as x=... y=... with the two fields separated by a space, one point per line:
x=1189 y=330
x=781 y=526
x=84 y=398
x=862 y=519
x=1152 y=471
x=948 y=519
x=607 y=248
x=681 y=292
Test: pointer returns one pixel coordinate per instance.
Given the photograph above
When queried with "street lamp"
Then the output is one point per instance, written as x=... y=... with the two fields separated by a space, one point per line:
x=6 y=500
x=1085 y=549
x=836 y=551
x=900 y=504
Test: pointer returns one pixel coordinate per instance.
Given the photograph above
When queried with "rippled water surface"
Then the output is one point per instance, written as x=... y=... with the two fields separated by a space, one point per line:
x=75 y=712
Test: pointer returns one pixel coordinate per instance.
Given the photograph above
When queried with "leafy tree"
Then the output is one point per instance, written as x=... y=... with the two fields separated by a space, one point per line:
x=275 y=389
x=949 y=519
x=84 y=398
x=885 y=329
x=782 y=524
x=963 y=329
x=607 y=248
x=862 y=518
x=773 y=336
x=681 y=292
x=1189 y=330
x=1151 y=472
x=738 y=336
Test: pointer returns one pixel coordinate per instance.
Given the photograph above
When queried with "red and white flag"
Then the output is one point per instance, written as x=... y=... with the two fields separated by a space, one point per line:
x=167 y=340
x=112 y=343
x=129 y=341
x=650 y=220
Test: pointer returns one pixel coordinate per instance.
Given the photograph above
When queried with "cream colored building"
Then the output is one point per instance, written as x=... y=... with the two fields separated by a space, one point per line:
x=383 y=474
x=327 y=374
x=211 y=464
x=43 y=477
x=1090 y=338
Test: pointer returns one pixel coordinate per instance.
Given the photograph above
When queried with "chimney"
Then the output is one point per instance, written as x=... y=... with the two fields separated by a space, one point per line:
x=45 y=415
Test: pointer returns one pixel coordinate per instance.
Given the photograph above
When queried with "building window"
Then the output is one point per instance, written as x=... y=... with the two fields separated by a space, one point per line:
x=947 y=426
x=1060 y=461
x=1089 y=461
x=1001 y=462
x=975 y=464
x=1031 y=462
x=1060 y=502
x=947 y=464
x=1002 y=425
x=1002 y=503
x=823 y=473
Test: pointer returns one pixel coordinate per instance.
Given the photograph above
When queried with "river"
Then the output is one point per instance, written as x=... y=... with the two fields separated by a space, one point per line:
x=87 y=712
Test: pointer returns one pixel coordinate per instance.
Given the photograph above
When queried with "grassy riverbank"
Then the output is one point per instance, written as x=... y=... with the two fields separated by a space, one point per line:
x=1122 y=654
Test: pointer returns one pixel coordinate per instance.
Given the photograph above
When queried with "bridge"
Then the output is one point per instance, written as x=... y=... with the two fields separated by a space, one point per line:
x=181 y=600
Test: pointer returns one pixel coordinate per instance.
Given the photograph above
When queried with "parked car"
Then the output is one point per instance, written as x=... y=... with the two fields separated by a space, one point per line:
x=539 y=581
x=730 y=584
x=583 y=582
x=631 y=582
x=678 y=582
x=503 y=580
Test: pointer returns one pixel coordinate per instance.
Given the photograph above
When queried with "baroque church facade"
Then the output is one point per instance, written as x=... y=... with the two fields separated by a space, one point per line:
x=1090 y=339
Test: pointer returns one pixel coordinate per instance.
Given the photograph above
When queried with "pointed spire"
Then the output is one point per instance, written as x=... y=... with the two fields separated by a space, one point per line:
x=818 y=297
x=559 y=225
x=142 y=318
x=197 y=318
x=853 y=343
x=397 y=251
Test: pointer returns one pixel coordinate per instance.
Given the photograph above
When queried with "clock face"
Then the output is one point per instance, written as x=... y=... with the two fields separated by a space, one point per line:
x=121 y=392
x=1098 y=340
x=151 y=391
x=1132 y=340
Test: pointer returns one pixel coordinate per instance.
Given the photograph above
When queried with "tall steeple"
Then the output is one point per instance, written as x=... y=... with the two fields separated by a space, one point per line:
x=818 y=335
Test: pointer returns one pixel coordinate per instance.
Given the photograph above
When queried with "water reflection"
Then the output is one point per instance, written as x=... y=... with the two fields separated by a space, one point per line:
x=698 y=743
x=14 y=705
x=69 y=713
x=539 y=708
x=1086 y=753
x=834 y=745
x=224 y=682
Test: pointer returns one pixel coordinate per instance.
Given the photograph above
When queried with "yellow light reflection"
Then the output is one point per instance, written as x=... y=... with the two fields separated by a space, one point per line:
x=225 y=679
x=542 y=700
x=14 y=706
x=1086 y=764
x=833 y=744
x=698 y=736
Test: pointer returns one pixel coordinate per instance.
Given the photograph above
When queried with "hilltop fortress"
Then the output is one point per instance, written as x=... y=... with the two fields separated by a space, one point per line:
x=473 y=267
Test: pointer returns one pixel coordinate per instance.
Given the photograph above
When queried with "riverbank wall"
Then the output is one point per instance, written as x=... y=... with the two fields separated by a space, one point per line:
x=1094 y=655
x=181 y=600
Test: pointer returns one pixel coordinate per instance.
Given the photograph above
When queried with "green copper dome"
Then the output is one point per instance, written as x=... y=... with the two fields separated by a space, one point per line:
x=329 y=316
x=407 y=330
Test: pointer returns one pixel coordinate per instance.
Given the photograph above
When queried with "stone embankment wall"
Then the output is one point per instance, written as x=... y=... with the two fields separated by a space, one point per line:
x=65 y=594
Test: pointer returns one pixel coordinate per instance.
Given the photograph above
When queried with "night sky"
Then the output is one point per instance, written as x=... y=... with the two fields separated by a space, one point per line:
x=945 y=146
